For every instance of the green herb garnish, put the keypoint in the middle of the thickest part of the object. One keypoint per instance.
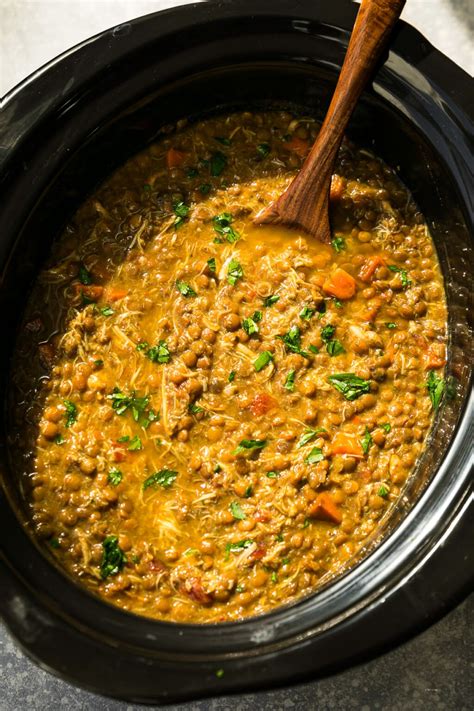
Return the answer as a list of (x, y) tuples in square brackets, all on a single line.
[(71, 413), (309, 434), (316, 455), (263, 359), (234, 272), (292, 341), (386, 426), (211, 263), (383, 491), (238, 546), (218, 163), (263, 149), (290, 380), (335, 347), (391, 325), (222, 225), (248, 445), (185, 289), (194, 409), (159, 353), (54, 543), (59, 439), (338, 243), (164, 478), (366, 441), (270, 300), (181, 211), (306, 313), (135, 444), (273, 475), (113, 557), (349, 385), (107, 311), (231, 377), (114, 477), (435, 387), (403, 274), (85, 277), (137, 406), (236, 511), (250, 326)]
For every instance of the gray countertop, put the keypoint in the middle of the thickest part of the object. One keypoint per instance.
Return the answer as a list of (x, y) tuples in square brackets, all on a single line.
[(435, 670)]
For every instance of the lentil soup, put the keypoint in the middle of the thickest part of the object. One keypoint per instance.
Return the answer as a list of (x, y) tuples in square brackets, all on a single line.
[(216, 418)]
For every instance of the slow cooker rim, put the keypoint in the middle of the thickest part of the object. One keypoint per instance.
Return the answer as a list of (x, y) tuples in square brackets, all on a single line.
[(104, 36)]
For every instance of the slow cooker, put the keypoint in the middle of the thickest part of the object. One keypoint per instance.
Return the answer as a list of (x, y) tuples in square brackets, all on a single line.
[(62, 131)]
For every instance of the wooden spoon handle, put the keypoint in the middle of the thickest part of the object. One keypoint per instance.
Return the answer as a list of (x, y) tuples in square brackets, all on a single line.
[(305, 203)]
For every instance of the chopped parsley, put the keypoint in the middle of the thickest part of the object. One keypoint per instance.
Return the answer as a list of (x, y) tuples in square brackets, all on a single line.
[(71, 413), (366, 441), (309, 434), (290, 380), (386, 426), (274, 577), (164, 478), (231, 377), (159, 353), (250, 324), (185, 289), (236, 511), (391, 325), (222, 225), (349, 385), (234, 272), (383, 491), (292, 341), (263, 359), (250, 445), (316, 455), (270, 300), (338, 243), (99, 363), (435, 387), (273, 475), (211, 263), (220, 672), (114, 477), (321, 309), (59, 439), (137, 406), (263, 149), (54, 543), (217, 163), (107, 311), (113, 557), (238, 546), (135, 444), (333, 346), (181, 211), (306, 313), (85, 277), (313, 348), (403, 274), (194, 409), (248, 492)]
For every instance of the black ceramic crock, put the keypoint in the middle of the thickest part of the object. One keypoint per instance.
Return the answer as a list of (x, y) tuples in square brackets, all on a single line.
[(69, 125)]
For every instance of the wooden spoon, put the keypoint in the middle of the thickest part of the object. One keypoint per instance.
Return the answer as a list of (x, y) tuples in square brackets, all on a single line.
[(305, 203)]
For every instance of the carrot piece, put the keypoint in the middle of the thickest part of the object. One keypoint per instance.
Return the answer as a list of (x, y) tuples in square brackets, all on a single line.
[(435, 357), (369, 266), (174, 158), (337, 188), (325, 509), (344, 443), (298, 146), (114, 293), (340, 284), (261, 404)]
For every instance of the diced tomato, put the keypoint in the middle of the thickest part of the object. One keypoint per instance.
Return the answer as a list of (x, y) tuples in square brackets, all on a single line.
[(262, 516), (196, 591), (261, 404), (259, 552), (118, 455)]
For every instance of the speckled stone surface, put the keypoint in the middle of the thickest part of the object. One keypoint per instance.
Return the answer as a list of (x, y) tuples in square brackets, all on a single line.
[(432, 672), (435, 670)]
